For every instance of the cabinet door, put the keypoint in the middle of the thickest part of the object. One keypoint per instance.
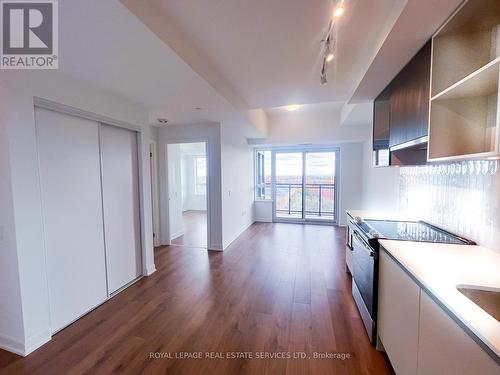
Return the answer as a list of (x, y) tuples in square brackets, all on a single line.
[(444, 348), (409, 102), (398, 311), (68, 149), (381, 127)]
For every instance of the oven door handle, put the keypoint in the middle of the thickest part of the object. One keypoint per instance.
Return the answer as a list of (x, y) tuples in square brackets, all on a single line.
[(363, 242)]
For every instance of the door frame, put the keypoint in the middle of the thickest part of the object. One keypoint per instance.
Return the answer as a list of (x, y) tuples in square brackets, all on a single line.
[(305, 150), (155, 202), (167, 201)]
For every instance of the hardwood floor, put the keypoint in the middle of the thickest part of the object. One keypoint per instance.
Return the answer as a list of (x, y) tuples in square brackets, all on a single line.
[(280, 288), (195, 229)]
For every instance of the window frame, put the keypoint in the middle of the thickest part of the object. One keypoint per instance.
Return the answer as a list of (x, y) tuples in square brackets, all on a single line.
[(260, 178)]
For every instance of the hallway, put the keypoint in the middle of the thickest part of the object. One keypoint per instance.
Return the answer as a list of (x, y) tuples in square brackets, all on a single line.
[(194, 224), (280, 288)]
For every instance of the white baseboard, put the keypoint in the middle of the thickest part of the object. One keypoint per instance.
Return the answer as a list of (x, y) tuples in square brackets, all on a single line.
[(176, 234), (239, 234), (150, 269), (263, 220), (12, 345), (37, 341), (23, 349)]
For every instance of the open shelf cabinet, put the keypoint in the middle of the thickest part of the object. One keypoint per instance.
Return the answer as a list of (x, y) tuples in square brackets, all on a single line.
[(464, 121)]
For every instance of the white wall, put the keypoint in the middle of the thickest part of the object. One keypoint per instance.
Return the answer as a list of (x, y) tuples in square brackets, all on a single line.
[(230, 179), (11, 322), (237, 183), (380, 185), (351, 179), (211, 133), (19, 88), (313, 127), (263, 211)]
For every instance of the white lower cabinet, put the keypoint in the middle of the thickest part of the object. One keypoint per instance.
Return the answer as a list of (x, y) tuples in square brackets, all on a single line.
[(418, 335), (398, 310), (444, 347)]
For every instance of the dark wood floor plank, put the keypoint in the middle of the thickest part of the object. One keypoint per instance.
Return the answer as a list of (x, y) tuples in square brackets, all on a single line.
[(194, 225), (279, 288)]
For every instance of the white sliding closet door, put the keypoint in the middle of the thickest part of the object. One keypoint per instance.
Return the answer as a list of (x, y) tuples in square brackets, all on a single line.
[(120, 189), (72, 211)]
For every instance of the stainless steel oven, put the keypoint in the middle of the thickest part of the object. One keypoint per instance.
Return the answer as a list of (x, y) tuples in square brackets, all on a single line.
[(365, 281), (363, 238)]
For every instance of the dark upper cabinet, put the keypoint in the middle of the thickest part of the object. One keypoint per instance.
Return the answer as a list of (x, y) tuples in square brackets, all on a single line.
[(409, 101), (401, 114), (381, 128)]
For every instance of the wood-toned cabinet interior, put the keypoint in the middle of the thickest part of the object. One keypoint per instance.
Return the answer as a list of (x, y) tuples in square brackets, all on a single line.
[(381, 128), (464, 119)]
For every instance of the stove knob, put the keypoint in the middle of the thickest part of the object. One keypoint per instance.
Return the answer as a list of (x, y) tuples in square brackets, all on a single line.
[(358, 220), (374, 234)]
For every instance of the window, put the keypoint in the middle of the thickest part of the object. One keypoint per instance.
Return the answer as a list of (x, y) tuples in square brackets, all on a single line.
[(381, 158), (200, 178), (263, 174)]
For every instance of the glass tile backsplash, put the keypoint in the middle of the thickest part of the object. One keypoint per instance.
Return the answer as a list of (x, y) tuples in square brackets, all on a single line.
[(462, 197)]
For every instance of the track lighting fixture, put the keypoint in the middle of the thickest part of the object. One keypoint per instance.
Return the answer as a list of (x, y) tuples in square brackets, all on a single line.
[(330, 41)]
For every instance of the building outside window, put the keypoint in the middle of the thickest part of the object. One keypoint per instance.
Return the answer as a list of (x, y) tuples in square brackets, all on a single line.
[(200, 168), (263, 175)]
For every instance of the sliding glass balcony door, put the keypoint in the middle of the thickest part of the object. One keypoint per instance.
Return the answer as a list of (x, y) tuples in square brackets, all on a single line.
[(288, 185), (305, 185)]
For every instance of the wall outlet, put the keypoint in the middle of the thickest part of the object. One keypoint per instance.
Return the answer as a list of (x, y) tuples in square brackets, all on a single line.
[(2, 229)]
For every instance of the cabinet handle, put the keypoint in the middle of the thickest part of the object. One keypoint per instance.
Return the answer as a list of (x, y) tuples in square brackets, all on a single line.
[(367, 247)]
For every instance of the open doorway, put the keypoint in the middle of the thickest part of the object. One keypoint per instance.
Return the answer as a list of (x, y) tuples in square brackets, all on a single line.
[(187, 193)]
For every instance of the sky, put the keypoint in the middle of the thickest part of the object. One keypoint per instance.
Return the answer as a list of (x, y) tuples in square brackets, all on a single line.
[(317, 164)]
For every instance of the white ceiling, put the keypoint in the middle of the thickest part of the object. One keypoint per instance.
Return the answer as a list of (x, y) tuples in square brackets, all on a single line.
[(268, 52), (233, 57), (102, 43), (416, 24)]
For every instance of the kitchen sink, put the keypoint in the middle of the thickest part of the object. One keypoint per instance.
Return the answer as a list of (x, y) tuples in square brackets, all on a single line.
[(486, 298)]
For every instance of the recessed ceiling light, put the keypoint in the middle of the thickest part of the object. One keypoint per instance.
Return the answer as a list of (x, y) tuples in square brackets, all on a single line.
[(329, 57), (162, 120), (292, 107), (338, 11)]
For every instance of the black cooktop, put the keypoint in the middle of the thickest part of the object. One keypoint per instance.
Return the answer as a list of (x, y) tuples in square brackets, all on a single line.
[(418, 231)]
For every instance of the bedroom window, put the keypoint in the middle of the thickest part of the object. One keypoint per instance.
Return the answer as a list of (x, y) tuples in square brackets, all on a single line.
[(200, 178)]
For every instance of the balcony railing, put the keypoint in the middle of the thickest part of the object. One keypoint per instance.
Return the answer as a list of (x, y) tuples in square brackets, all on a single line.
[(319, 200)]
